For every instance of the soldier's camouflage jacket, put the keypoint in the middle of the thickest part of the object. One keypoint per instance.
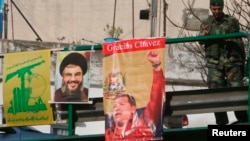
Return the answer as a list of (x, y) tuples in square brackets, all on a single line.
[(222, 51)]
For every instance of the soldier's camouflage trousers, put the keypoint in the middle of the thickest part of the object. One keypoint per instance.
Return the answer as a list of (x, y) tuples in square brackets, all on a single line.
[(229, 76)]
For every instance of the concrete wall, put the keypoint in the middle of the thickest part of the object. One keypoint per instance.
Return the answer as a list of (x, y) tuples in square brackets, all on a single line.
[(77, 19)]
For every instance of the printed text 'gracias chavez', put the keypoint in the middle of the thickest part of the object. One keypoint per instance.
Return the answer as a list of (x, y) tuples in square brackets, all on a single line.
[(133, 45)]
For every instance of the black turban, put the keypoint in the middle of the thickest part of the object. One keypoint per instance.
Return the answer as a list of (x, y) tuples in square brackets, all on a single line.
[(76, 59)]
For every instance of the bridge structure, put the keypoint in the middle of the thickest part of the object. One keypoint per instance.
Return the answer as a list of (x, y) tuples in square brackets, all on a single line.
[(178, 102)]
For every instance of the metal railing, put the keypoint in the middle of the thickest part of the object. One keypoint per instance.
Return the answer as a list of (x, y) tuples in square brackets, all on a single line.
[(176, 106)]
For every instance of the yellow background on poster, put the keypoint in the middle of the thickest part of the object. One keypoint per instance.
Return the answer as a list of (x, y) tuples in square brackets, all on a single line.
[(134, 89), (138, 75), (26, 88)]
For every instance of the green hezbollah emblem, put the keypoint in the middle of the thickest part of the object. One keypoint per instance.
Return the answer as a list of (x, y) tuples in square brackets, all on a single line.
[(217, 2)]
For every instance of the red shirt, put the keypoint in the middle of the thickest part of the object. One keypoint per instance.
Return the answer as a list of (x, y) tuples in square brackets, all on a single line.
[(146, 123)]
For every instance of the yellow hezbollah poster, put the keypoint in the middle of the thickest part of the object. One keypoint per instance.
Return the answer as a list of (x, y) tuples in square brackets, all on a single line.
[(134, 89), (26, 88)]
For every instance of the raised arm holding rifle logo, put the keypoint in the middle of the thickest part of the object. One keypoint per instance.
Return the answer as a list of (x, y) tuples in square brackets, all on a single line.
[(22, 94)]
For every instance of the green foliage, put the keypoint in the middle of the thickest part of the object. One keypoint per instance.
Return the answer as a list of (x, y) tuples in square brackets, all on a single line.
[(113, 31)]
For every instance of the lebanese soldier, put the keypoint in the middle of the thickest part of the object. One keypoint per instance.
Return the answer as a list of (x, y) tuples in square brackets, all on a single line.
[(225, 58)]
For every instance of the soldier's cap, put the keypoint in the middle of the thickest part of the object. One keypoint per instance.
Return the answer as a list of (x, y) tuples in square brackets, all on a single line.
[(76, 59), (217, 2)]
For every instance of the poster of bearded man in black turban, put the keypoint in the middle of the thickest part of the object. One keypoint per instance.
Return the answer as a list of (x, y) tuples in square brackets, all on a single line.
[(72, 77)]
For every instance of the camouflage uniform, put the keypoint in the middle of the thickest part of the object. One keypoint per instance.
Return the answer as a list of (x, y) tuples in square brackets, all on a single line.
[(225, 59)]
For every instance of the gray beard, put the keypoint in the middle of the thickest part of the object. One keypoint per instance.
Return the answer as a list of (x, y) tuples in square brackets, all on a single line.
[(71, 95)]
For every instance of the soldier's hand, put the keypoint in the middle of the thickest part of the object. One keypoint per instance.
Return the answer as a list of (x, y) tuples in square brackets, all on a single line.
[(204, 32)]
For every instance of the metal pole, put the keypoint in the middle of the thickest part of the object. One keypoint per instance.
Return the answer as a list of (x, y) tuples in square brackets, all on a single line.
[(38, 37), (153, 16), (5, 21), (114, 18), (133, 17), (248, 41), (71, 123), (164, 17)]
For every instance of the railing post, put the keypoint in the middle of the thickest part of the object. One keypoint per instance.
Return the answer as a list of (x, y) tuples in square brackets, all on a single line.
[(248, 59), (71, 120)]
